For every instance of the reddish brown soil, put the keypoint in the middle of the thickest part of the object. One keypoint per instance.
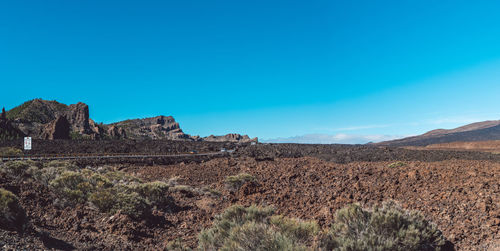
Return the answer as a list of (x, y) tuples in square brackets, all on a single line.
[(492, 146), (461, 196)]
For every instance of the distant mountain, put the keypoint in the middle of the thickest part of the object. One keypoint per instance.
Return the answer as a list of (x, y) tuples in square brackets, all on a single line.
[(331, 139), (480, 131), (43, 119)]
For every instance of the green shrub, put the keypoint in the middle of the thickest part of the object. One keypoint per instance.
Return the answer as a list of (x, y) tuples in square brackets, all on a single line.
[(132, 204), (258, 236), (177, 245), (184, 189), (255, 228), (17, 168), (155, 192), (10, 152), (384, 228), (119, 177), (298, 230), (72, 186), (210, 191), (104, 200), (12, 215), (69, 166), (234, 183), (47, 174), (99, 181), (119, 198), (397, 164)]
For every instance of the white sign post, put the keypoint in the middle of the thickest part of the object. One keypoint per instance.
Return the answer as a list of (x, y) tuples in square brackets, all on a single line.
[(27, 143)]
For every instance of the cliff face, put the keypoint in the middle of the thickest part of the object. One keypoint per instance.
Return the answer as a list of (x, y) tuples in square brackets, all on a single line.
[(38, 117), (232, 137), (44, 119), (58, 129), (160, 127)]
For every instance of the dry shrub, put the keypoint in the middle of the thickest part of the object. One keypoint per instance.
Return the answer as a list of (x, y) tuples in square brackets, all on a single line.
[(388, 227), (17, 168), (396, 164), (156, 193), (112, 200), (234, 183), (12, 215), (10, 152), (255, 228)]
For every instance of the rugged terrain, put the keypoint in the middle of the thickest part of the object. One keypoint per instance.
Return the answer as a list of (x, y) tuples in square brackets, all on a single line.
[(480, 131), (492, 146), (457, 190), (43, 119)]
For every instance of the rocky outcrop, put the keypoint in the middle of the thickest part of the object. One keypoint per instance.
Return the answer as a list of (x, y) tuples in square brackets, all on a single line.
[(78, 117), (160, 127), (115, 132), (57, 129), (37, 118), (232, 137)]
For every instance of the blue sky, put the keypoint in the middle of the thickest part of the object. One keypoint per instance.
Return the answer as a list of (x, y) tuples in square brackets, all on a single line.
[(348, 70)]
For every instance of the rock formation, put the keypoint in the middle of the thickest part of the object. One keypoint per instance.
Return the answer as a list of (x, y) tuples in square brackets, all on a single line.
[(116, 132), (44, 119), (57, 129), (78, 117), (232, 137), (160, 127)]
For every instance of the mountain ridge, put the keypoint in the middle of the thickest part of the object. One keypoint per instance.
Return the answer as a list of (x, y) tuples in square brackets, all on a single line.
[(478, 131), (38, 118)]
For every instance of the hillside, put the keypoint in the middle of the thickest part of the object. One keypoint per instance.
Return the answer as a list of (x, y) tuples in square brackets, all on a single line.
[(43, 119), (480, 131)]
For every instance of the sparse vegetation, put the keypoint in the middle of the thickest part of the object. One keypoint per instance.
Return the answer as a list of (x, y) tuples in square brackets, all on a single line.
[(396, 164), (16, 168), (72, 186), (10, 152), (177, 245), (234, 183), (300, 231), (253, 228), (12, 216), (384, 228), (35, 111), (156, 193)]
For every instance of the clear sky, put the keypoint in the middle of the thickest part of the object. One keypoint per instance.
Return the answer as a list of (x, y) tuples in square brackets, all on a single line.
[(270, 69)]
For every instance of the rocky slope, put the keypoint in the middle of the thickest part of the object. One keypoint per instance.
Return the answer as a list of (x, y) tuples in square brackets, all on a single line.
[(160, 127), (480, 131), (37, 118), (7, 130), (42, 119)]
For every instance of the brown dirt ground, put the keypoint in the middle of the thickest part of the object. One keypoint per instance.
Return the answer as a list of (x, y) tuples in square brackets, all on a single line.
[(461, 196), (492, 146)]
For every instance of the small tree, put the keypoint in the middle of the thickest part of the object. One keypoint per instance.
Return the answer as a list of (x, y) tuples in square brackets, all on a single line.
[(4, 115)]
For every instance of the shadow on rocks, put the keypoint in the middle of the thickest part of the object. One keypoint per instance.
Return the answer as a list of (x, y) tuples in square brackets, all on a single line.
[(53, 243)]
